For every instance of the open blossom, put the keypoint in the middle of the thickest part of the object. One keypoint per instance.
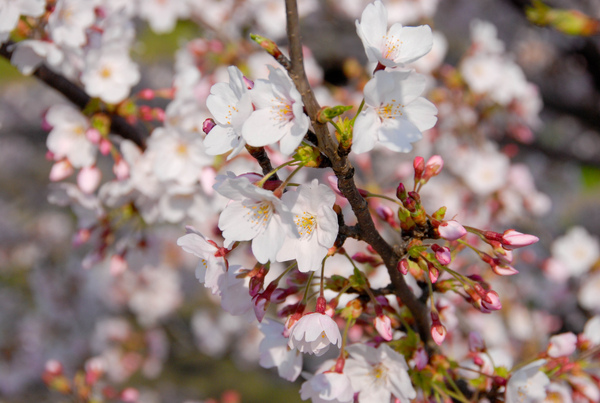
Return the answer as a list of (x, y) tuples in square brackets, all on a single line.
[(69, 20), (377, 374), (163, 15), (395, 113), (274, 351), (327, 387), (109, 74), (562, 345), (527, 384), (254, 214), (211, 270), (577, 251), (314, 333), (393, 47), (30, 53), (11, 10), (181, 153), (67, 139), (316, 223), (230, 105), (278, 114)]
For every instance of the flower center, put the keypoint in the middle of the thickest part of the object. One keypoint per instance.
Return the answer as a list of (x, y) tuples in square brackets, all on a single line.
[(305, 223), (390, 110), (391, 47), (259, 214), (282, 109)]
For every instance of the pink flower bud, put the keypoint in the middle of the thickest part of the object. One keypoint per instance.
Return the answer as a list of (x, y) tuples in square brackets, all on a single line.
[(130, 395), (451, 230), (146, 94), (403, 266), (383, 324), (208, 125), (53, 367), (438, 333), (105, 146), (491, 302), (88, 179), (121, 169), (503, 269), (433, 167), (562, 345), (512, 239), (401, 192), (442, 254), (93, 135), (61, 170), (434, 273), (419, 166), (117, 265), (159, 114)]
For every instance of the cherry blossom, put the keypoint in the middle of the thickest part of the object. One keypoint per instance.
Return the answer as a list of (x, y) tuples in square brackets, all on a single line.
[(254, 214), (316, 223), (11, 10), (67, 139), (274, 351), (211, 269), (394, 47), (562, 345), (377, 374), (231, 105), (327, 387), (314, 333), (577, 251), (278, 114), (110, 74), (395, 115), (527, 384), (69, 20)]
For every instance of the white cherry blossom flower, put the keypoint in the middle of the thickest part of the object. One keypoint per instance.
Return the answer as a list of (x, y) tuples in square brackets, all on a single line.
[(577, 251), (30, 53), (235, 295), (11, 10), (314, 333), (527, 384), (67, 139), (588, 295), (254, 214), (395, 113), (230, 104), (69, 20), (211, 270), (163, 15), (316, 222), (377, 374), (181, 154), (394, 47), (278, 114), (109, 74), (327, 387), (274, 351)]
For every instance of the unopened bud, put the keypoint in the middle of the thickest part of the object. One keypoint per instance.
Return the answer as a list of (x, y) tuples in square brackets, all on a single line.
[(442, 254), (146, 94), (451, 230), (433, 167), (512, 239), (419, 166), (208, 125), (401, 192), (403, 266), (327, 113), (383, 324)]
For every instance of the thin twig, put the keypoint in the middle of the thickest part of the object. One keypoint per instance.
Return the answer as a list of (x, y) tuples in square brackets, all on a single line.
[(345, 174), (78, 97)]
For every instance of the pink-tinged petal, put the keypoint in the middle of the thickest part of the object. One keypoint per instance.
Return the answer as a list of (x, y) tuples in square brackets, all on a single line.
[(365, 132), (562, 345), (504, 270), (451, 230), (415, 42), (492, 301), (88, 179), (266, 244), (512, 239), (438, 334), (383, 325), (61, 170)]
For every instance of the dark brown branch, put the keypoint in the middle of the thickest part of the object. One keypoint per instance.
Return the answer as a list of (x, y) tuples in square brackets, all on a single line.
[(345, 174), (78, 97), (260, 155)]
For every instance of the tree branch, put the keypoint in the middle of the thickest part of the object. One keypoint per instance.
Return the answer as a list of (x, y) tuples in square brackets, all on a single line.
[(345, 174), (78, 97)]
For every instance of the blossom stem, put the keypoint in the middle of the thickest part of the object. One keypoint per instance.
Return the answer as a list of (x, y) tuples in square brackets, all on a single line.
[(294, 172), (305, 298), (360, 107), (265, 178), (369, 194)]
